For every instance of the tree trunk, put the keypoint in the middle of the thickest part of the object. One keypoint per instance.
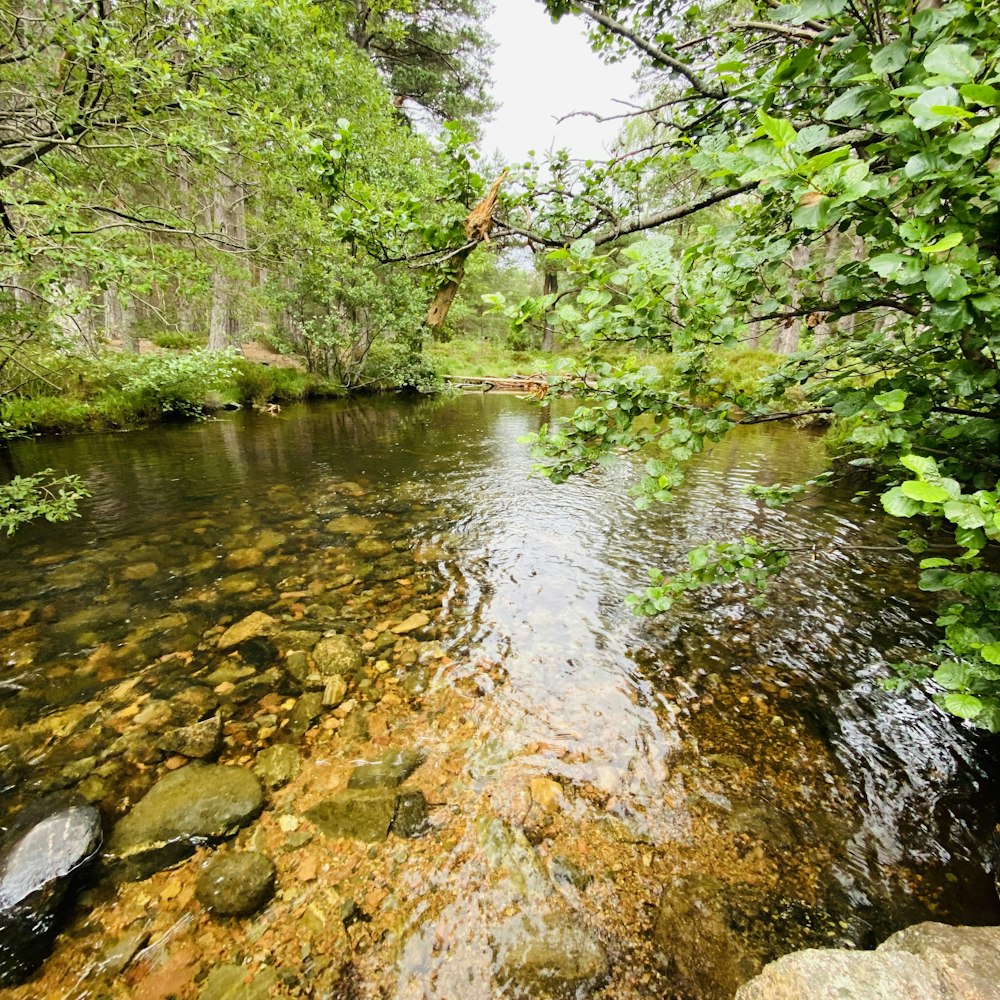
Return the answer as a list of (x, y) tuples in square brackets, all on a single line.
[(550, 286), (229, 221), (786, 337), (119, 319)]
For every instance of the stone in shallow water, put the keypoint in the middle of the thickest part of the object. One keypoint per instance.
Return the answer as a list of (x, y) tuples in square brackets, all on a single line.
[(307, 710), (350, 524), (359, 815), (202, 739), (552, 954), (278, 765), (251, 627), (235, 885), (187, 807), (715, 935), (411, 624), (47, 844), (389, 771), (234, 982), (337, 654), (411, 814)]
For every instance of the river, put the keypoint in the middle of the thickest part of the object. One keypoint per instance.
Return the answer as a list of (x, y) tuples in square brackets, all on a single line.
[(727, 780)]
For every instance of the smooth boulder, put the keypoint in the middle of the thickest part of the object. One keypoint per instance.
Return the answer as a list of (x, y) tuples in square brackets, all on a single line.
[(548, 954), (191, 806), (47, 844), (237, 884)]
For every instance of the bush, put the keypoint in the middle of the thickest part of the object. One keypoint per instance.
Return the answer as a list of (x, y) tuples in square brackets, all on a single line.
[(174, 341)]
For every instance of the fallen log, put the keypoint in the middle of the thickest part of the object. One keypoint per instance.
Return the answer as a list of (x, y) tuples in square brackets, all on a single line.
[(533, 384)]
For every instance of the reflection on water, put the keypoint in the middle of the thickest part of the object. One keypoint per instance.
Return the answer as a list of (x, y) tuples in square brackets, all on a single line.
[(752, 745)]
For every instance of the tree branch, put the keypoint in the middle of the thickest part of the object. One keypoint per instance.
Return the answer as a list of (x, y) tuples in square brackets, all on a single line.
[(653, 51)]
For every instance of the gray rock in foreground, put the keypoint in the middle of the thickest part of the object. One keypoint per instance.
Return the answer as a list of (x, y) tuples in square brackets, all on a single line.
[(46, 845), (551, 954), (191, 806), (928, 961)]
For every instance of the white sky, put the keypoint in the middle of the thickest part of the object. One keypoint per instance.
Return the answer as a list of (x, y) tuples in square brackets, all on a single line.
[(542, 71)]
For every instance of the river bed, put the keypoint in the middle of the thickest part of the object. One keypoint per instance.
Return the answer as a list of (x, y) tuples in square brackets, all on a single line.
[(672, 801)]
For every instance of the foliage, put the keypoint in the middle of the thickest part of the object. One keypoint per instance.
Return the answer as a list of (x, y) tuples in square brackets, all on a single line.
[(42, 495), (119, 391), (838, 162), (392, 365)]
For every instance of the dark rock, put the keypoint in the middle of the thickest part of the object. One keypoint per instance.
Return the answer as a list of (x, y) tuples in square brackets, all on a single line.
[(714, 935), (201, 740), (47, 844), (360, 815), (551, 953), (278, 765), (307, 710), (389, 771), (235, 885), (297, 665), (258, 652), (411, 814), (191, 806)]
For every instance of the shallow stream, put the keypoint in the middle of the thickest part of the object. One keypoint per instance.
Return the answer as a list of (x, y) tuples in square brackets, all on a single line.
[(698, 794)]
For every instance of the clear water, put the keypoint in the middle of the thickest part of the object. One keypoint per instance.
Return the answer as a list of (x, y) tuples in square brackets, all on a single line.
[(755, 743)]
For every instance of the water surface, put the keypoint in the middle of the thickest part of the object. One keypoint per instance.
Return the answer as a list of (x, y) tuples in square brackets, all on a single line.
[(752, 747)]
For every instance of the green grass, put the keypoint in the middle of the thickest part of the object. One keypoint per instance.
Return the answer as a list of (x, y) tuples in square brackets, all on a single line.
[(119, 391)]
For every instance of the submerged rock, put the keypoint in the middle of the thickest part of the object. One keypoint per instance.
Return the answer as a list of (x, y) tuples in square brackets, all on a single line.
[(251, 627), (236, 885), (188, 807), (234, 982), (277, 765), (715, 935), (549, 953), (369, 815), (389, 771), (359, 815), (46, 845), (337, 654), (202, 739), (411, 624)]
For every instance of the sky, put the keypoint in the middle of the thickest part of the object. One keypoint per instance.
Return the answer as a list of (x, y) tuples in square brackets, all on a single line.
[(542, 71)]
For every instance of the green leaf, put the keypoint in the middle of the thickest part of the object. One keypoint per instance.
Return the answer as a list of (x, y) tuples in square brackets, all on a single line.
[(965, 706), (948, 242), (964, 514), (952, 675), (923, 465), (892, 402), (951, 62), (898, 504), (934, 563), (991, 652), (924, 492), (780, 131), (891, 58), (975, 93), (922, 109), (850, 104)]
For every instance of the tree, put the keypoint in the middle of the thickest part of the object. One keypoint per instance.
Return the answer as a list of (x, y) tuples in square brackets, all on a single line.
[(878, 121), (433, 53)]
